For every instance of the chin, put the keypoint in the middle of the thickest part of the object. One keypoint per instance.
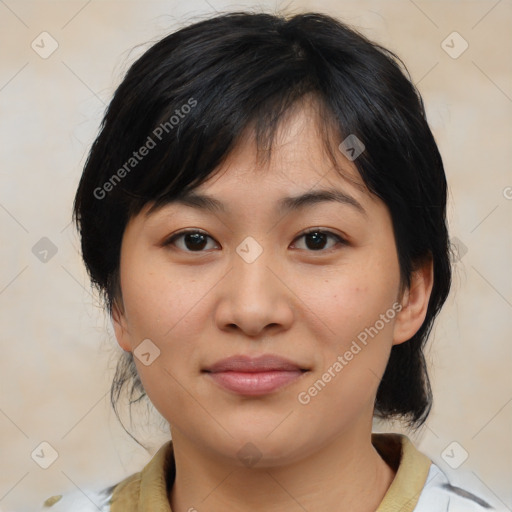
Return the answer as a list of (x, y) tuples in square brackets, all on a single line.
[(265, 446)]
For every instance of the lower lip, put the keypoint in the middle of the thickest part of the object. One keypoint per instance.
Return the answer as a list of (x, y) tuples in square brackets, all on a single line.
[(255, 383)]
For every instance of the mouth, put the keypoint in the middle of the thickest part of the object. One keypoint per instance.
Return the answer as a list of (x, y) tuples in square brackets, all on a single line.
[(254, 376)]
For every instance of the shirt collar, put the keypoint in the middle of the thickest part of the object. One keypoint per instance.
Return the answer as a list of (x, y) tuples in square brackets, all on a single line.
[(148, 490)]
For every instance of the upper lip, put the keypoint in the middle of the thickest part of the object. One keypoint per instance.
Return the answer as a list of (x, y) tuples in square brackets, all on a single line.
[(244, 363)]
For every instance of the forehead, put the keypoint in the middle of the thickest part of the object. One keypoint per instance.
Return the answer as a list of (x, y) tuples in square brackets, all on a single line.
[(304, 145), (304, 166)]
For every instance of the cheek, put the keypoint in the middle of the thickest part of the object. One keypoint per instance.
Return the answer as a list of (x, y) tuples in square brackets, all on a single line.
[(166, 388), (351, 355), (160, 308), (355, 304), (353, 297), (161, 302)]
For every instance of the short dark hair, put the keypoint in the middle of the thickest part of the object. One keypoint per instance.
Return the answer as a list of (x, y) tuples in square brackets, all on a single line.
[(190, 96)]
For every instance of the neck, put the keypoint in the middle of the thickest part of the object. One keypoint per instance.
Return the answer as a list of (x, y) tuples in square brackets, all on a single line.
[(345, 474)]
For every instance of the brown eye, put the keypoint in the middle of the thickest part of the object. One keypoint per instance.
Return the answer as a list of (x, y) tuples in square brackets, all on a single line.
[(317, 239), (190, 241)]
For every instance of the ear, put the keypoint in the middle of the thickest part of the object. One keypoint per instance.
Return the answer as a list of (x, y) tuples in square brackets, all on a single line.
[(120, 328), (414, 303)]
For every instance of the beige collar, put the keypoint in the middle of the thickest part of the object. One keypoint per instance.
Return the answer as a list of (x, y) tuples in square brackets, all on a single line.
[(147, 491)]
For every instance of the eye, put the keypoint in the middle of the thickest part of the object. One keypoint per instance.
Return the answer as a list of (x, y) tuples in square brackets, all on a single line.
[(316, 239), (193, 240)]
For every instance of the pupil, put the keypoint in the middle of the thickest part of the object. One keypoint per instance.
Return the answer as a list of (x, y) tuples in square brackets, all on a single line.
[(197, 242), (319, 240)]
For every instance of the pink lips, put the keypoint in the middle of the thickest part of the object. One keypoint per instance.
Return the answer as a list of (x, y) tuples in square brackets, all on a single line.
[(254, 376)]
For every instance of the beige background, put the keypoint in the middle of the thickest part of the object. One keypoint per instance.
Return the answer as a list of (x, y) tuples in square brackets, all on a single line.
[(57, 348)]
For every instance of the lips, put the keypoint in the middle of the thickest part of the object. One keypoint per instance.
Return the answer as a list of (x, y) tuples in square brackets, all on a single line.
[(241, 363), (254, 376)]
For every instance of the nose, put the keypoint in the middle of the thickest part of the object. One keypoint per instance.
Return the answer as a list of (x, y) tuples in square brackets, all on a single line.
[(254, 297)]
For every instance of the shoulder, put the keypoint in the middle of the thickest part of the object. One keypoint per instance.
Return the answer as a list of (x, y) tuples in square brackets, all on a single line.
[(439, 494), (80, 500), (121, 496)]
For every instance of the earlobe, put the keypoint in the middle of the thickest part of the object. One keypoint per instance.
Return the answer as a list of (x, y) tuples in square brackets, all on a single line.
[(120, 328), (414, 303)]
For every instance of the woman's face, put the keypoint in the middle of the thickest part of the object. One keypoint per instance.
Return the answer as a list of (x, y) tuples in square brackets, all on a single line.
[(253, 284)]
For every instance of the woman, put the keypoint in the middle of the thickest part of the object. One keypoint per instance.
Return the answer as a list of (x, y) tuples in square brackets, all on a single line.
[(264, 214)]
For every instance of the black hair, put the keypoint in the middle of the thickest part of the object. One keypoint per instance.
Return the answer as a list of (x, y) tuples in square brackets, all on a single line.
[(188, 99)]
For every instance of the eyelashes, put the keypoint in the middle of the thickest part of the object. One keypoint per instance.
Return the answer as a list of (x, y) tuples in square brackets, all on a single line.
[(325, 234), (197, 240), (195, 235)]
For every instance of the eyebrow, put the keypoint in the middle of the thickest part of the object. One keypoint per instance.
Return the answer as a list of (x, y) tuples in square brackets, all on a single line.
[(284, 205)]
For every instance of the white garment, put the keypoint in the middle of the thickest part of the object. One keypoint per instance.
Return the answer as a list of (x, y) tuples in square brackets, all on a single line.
[(438, 495)]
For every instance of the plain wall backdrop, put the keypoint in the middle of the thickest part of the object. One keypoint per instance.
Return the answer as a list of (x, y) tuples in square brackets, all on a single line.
[(60, 63)]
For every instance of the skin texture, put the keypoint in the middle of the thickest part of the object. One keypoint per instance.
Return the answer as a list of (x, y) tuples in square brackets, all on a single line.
[(294, 301)]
